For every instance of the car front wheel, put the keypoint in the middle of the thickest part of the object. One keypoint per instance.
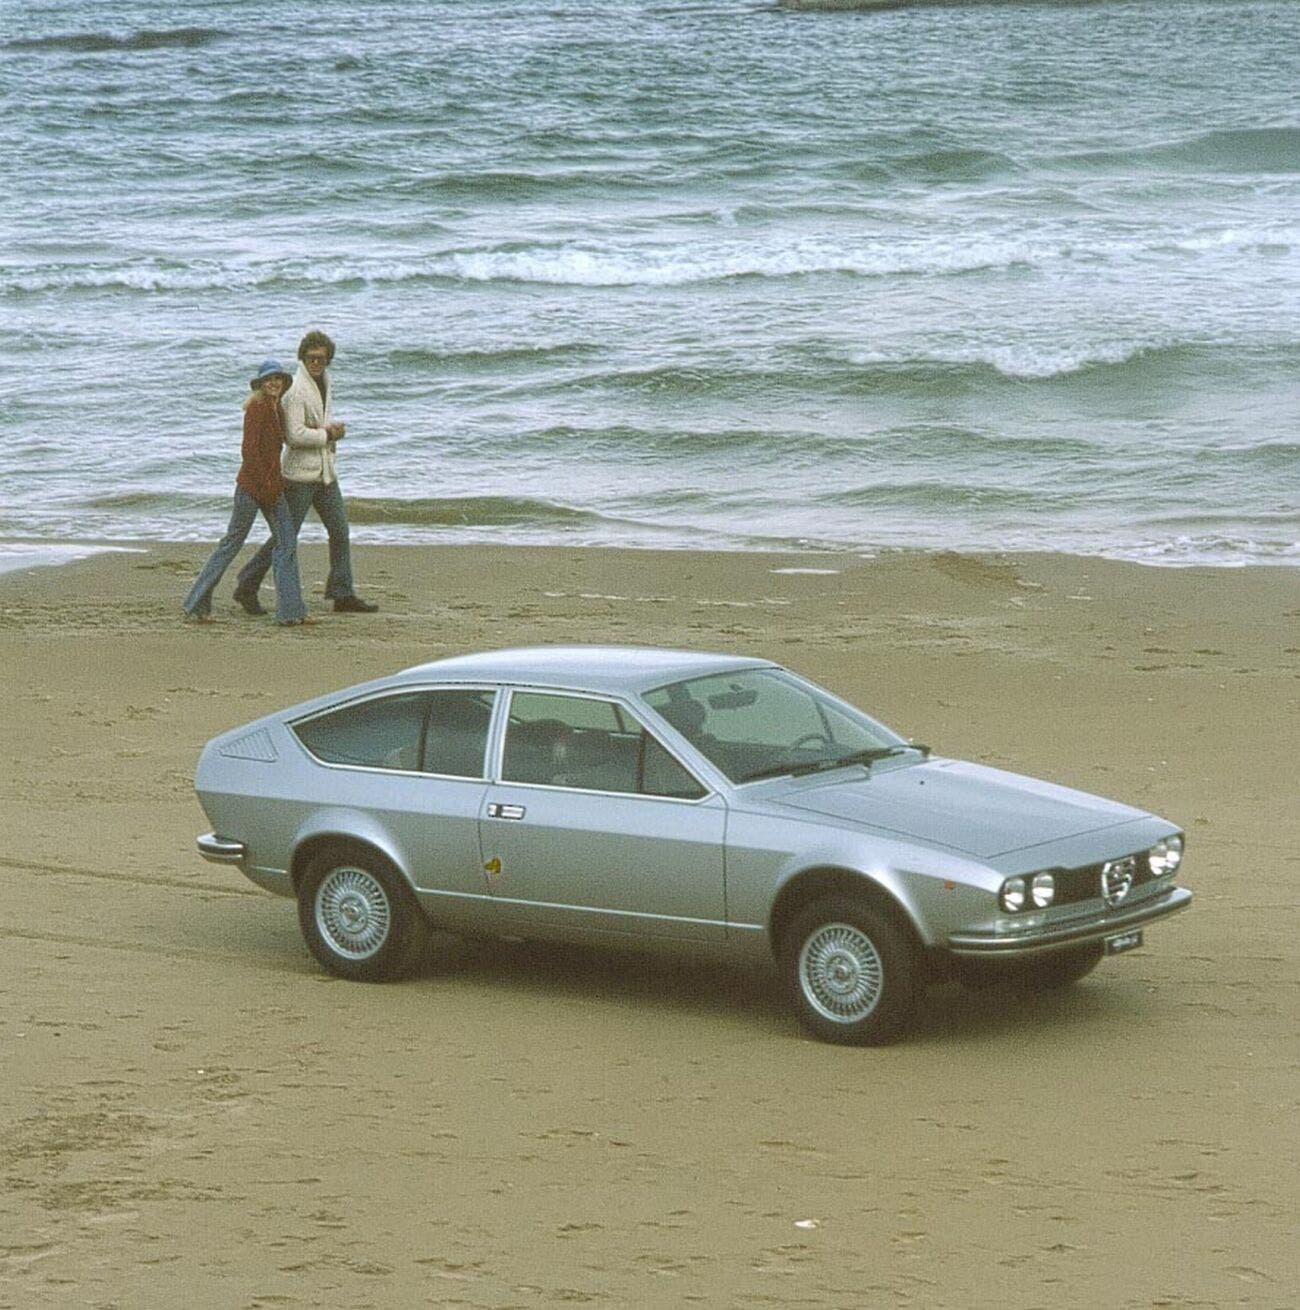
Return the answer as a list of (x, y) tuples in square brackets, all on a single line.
[(359, 917), (850, 973)]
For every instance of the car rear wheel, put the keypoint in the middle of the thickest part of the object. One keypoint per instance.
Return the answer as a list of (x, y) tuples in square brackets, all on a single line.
[(359, 917), (850, 973)]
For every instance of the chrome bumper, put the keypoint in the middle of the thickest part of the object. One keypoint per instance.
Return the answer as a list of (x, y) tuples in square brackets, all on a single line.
[(221, 850), (1005, 946)]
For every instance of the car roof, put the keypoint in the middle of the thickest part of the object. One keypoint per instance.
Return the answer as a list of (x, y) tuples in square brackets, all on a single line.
[(617, 669)]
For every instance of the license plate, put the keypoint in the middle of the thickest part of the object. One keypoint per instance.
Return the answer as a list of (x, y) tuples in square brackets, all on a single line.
[(1124, 941)]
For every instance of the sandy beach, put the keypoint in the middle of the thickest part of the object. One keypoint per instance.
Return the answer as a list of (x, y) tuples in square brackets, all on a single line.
[(192, 1113)]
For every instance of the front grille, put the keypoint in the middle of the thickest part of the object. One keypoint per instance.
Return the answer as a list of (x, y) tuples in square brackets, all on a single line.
[(1084, 884)]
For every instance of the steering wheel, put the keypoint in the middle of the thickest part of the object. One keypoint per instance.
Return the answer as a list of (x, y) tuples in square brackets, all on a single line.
[(809, 739)]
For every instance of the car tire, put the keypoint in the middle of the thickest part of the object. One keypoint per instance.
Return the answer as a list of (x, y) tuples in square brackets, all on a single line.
[(851, 974), (359, 917)]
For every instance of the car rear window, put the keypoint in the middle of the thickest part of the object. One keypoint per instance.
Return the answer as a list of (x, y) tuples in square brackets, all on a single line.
[(443, 732)]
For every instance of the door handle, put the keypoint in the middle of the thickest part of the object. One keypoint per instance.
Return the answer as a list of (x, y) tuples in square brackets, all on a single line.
[(497, 811)]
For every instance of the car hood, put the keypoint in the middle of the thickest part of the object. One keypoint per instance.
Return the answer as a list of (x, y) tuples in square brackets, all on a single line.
[(967, 807)]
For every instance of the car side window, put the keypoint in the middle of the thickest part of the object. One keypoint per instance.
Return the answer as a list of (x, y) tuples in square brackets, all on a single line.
[(590, 744), (383, 733), (455, 738), (663, 776)]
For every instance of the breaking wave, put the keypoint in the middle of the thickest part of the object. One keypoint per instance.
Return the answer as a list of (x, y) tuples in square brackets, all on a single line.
[(1225, 150), (469, 511), (184, 38), (687, 264), (419, 360)]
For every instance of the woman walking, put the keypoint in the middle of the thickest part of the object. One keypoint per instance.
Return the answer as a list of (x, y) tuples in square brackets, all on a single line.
[(258, 485), (311, 478)]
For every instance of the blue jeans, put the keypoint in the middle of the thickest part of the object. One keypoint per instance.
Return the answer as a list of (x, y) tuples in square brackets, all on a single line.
[(327, 500), (282, 550)]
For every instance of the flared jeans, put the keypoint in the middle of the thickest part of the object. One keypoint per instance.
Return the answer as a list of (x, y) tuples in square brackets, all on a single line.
[(282, 551), (327, 500)]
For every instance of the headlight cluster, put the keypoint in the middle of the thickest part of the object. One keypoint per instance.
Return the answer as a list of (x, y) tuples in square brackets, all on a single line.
[(1165, 856), (1036, 892)]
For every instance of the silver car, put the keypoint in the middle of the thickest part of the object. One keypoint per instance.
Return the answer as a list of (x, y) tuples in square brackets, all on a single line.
[(702, 803)]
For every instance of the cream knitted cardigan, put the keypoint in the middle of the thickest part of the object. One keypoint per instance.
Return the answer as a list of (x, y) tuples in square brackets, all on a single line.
[(309, 454)]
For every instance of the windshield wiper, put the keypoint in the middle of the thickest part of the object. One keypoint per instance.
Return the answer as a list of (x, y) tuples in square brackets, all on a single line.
[(874, 753), (868, 756)]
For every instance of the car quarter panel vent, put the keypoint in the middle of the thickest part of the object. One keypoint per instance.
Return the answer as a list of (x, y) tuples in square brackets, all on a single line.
[(252, 746)]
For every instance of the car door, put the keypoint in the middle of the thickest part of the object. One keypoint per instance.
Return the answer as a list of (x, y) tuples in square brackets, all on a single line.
[(594, 828), (406, 773)]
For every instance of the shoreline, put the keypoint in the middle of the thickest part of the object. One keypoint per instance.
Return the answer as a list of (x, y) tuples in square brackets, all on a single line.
[(177, 1058), (29, 553), (21, 553), (1035, 606)]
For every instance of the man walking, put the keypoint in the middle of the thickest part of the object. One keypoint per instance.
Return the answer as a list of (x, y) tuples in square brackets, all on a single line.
[(311, 479)]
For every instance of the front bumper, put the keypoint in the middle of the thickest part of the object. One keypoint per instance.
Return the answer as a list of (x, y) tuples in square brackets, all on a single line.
[(1047, 937), (221, 850)]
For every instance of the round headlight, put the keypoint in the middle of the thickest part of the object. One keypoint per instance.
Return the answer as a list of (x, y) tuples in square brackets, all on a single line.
[(1165, 856), (1043, 890), (1012, 896)]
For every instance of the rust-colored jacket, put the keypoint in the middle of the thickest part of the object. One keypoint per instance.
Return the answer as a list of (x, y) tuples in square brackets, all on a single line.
[(259, 474)]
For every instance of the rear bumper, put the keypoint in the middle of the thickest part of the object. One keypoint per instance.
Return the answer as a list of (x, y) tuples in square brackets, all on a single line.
[(221, 850), (1014, 945)]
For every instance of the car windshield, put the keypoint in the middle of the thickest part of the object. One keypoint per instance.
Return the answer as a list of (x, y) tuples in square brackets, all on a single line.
[(761, 723)]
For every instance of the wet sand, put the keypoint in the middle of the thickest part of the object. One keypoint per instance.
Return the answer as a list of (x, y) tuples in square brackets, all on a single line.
[(191, 1113)]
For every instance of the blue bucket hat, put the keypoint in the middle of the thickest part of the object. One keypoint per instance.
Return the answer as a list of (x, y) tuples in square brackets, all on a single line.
[(270, 368)]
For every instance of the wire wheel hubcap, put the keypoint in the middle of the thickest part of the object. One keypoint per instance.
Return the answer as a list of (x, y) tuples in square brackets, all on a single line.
[(841, 973), (352, 913)]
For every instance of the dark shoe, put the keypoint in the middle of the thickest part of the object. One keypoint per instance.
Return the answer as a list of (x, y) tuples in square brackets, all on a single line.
[(248, 601), (354, 605)]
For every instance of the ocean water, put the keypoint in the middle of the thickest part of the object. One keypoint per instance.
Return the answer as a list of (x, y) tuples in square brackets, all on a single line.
[(686, 273)]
